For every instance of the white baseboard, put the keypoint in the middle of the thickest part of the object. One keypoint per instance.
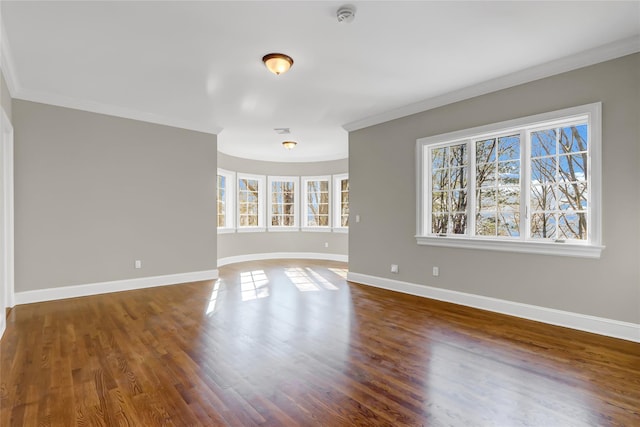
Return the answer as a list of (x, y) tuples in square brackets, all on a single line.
[(51, 294), (282, 255), (582, 322), (3, 323)]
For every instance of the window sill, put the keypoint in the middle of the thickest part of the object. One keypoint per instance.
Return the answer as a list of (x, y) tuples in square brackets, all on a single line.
[(283, 229), (317, 229), (542, 248), (344, 230), (251, 230), (226, 230)]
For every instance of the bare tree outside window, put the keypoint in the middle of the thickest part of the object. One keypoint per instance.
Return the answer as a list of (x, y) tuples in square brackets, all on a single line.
[(498, 186), (283, 203), (559, 183), (344, 202), (248, 208), (222, 201), (317, 203), (531, 185), (449, 166)]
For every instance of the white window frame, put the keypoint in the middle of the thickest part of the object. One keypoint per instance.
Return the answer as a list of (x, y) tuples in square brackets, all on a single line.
[(296, 203), (591, 248), (304, 206), (261, 202), (230, 193), (337, 203)]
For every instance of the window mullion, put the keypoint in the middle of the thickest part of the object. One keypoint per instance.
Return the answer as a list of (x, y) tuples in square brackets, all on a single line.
[(471, 185), (556, 189), (525, 184), (427, 225)]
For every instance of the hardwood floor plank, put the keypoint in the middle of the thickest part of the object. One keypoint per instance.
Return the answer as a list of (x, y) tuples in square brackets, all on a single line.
[(290, 342)]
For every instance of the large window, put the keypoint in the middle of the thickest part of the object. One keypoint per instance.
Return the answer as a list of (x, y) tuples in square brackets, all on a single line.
[(283, 199), (225, 210), (341, 202), (316, 202), (530, 185), (250, 202)]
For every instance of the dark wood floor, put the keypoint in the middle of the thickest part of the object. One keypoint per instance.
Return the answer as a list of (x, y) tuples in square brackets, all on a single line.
[(279, 343)]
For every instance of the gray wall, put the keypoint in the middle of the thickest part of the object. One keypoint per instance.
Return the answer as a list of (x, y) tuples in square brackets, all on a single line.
[(5, 96), (93, 193), (382, 181), (235, 244)]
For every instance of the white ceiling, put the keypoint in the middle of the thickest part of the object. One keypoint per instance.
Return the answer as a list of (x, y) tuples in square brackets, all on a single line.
[(198, 65)]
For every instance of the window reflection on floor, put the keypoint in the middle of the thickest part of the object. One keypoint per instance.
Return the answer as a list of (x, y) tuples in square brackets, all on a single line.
[(254, 285), (307, 280), (211, 307), (342, 272), (321, 280)]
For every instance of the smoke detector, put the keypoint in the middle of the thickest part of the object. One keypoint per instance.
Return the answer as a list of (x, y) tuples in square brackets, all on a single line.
[(346, 14)]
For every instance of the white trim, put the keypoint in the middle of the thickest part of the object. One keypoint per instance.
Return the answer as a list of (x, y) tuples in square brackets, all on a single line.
[(521, 246), (6, 145), (282, 255), (251, 229), (583, 322), (316, 229), (230, 197), (226, 230), (50, 294), (593, 56), (6, 62), (283, 229), (336, 205), (114, 111)]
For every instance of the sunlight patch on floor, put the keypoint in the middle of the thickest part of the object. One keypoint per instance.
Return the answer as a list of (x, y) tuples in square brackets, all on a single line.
[(307, 280), (342, 272), (211, 307), (254, 285), (321, 280), (301, 280)]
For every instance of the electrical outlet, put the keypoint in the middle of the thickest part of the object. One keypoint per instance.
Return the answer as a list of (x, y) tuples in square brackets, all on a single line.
[(436, 271), (326, 244), (357, 218), (394, 268), (138, 263)]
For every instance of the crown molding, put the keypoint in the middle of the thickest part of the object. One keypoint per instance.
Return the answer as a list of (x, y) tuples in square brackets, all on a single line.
[(6, 61), (112, 110), (573, 62)]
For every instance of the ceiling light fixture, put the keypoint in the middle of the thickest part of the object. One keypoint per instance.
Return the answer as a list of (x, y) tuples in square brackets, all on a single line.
[(277, 63), (289, 145), (346, 14)]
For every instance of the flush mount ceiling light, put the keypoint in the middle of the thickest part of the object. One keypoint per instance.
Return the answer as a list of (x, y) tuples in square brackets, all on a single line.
[(277, 63), (289, 145), (346, 14)]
